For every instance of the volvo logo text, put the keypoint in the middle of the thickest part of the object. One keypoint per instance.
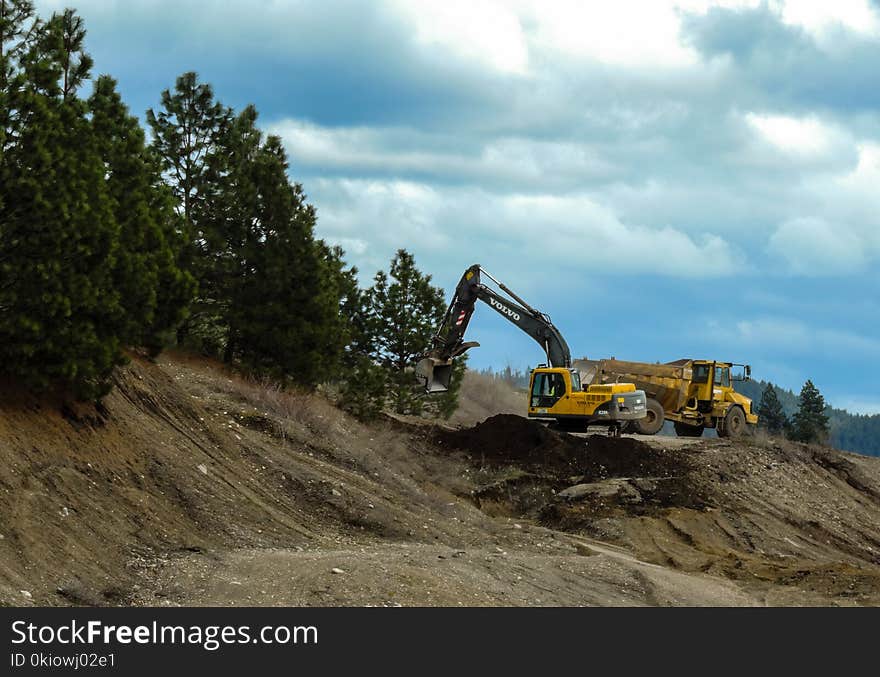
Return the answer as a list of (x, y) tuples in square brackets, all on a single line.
[(504, 309)]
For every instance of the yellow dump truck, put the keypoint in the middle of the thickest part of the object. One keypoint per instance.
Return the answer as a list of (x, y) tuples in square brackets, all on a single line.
[(693, 394)]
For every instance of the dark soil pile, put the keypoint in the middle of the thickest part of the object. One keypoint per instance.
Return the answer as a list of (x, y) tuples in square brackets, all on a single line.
[(513, 440)]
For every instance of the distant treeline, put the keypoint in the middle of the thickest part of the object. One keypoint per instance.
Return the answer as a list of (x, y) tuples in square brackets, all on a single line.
[(513, 377), (194, 237), (850, 432)]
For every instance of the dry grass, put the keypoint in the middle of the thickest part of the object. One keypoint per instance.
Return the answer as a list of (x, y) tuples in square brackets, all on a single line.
[(310, 422), (261, 396)]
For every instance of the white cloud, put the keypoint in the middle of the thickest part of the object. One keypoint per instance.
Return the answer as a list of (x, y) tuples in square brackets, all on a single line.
[(821, 17), (864, 178), (813, 246), (368, 149), (573, 232), (484, 31), (516, 161), (841, 236), (793, 336), (505, 36), (372, 219), (511, 36), (774, 331), (405, 179), (625, 32), (599, 240), (808, 136)]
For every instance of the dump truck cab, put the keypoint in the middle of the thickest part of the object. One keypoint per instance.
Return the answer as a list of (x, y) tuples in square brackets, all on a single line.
[(711, 391), (713, 381), (556, 393)]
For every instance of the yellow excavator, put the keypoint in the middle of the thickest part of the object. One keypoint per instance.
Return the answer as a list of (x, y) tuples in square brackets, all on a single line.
[(555, 390)]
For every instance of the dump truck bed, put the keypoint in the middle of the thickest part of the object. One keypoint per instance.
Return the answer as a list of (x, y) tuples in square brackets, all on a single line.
[(666, 383)]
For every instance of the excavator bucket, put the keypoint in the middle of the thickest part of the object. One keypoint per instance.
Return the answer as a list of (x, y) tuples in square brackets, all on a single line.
[(435, 374)]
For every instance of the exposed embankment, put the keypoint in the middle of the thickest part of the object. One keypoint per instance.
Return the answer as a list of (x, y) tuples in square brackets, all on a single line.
[(193, 486)]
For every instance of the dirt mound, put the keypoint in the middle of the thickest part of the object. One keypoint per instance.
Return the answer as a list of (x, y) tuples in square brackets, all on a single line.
[(507, 439), (525, 469), (504, 437)]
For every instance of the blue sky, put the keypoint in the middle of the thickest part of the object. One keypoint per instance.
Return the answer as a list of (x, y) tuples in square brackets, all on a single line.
[(665, 179)]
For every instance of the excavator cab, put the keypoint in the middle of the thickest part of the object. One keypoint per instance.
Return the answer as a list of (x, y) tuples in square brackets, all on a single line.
[(547, 389), (556, 393)]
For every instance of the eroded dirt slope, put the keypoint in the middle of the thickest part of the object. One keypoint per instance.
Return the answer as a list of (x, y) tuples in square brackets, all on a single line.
[(784, 520), (192, 486)]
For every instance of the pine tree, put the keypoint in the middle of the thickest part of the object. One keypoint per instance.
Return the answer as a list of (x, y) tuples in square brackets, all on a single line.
[(284, 305), (68, 32), (16, 22), (18, 28), (771, 416), (187, 137), (364, 381), (406, 310), (350, 322), (269, 292), (61, 312), (236, 239), (18, 25), (365, 389), (186, 132), (153, 290), (810, 423)]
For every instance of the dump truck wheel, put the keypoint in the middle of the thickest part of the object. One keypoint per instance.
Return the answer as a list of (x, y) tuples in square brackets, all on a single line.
[(734, 423), (685, 430), (653, 421)]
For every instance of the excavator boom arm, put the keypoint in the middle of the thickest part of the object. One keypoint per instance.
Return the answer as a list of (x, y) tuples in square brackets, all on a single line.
[(435, 369)]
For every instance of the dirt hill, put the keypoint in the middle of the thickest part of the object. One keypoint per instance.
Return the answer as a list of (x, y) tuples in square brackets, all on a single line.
[(193, 486)]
